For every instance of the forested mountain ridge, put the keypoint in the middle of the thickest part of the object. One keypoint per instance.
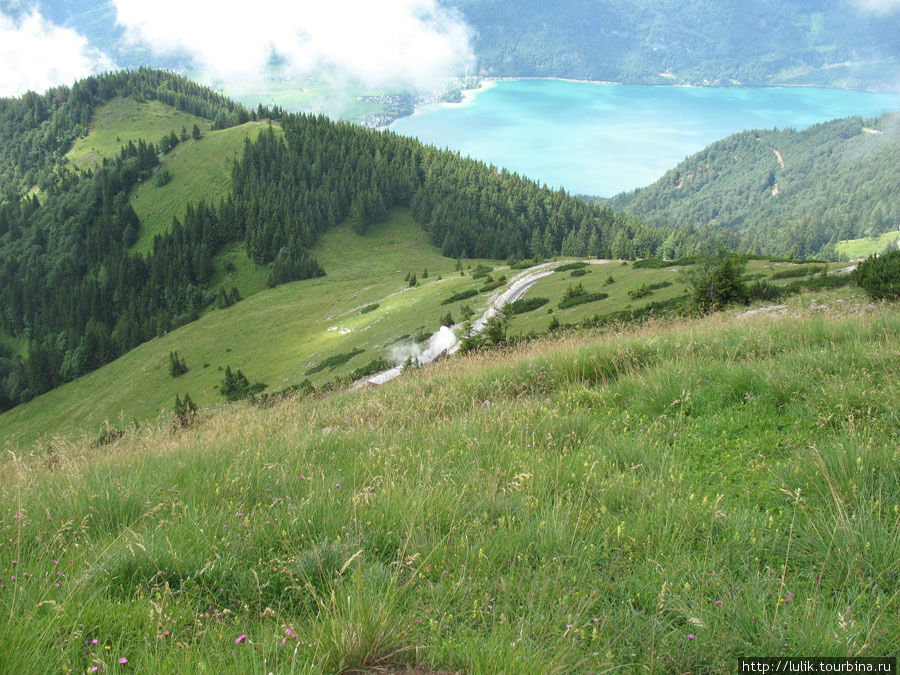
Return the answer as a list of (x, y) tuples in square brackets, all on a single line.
[(784, 191), (72, 287), (36, 130), (751, 42)]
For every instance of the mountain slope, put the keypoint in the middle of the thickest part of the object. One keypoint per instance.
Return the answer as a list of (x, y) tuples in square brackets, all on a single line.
[(756, 42), (668, 499), (784, 191), (84, 280)]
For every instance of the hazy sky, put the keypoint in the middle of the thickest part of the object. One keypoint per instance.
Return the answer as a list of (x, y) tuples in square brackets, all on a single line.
[(380, 42), (406, 43), (36, 54)]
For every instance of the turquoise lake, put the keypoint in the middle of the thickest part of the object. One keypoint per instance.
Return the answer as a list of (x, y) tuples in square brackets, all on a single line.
[(602, 139)]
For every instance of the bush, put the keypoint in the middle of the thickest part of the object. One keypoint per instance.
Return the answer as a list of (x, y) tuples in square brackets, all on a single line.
[(799, 271), (716, 282), (162, 176), (525, 305), (185, 411), (641, 292), (571, 266), (480, 271), (236, 386), (879, 275), (177, 366), (369, 308), (462, 295)]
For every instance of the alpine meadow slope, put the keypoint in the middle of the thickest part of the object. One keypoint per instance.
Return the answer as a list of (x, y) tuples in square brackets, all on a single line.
[(667, 497)]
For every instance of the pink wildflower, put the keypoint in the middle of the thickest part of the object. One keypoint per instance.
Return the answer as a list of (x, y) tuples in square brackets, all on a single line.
[(240, 638)]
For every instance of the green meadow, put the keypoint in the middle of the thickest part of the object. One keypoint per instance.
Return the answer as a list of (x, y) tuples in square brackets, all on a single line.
[(663, 498), (274, 337), (280, 336), (199, 169), (125, 119), (863, 248)]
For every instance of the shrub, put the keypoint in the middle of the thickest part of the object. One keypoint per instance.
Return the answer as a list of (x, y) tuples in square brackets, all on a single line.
[(162, 176), (462, 295), (369, 308), (567, 302), (480, 271), (571, 266), (525, 305), (879, 275), (177, 366), (799, 271), (641, 292), (185, 411)]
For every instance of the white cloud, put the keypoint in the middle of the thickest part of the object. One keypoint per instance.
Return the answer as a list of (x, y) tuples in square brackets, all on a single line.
[(387, 42), (37, 54), (879, 6)]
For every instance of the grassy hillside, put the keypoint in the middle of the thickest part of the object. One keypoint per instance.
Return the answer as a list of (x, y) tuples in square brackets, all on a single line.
[(124, 119), (199, 169), (279, 335), (866, 246), (665, 498), (779, 191), (274, 337)]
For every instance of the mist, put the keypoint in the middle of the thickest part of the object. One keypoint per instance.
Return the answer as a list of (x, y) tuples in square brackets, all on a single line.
[(37, 54), (402, 43)]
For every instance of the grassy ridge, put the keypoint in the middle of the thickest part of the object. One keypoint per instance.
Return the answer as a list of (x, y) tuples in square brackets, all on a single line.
[(199, 169), (668, 498), (123, 120)]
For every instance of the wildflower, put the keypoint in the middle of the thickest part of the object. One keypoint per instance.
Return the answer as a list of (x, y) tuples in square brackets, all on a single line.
[(123, 660), (94, 669), (718, 602), (337, 485), (691, 636), (240, 638)]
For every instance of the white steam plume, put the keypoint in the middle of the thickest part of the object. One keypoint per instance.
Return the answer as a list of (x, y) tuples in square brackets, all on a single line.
[(407, 43), (437, 344), (37, 54)]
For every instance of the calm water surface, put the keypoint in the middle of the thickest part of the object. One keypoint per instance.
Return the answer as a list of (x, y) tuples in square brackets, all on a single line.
[(600, 140)]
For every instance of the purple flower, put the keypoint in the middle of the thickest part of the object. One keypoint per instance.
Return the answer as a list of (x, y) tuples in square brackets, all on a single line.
[(240, 638), (123, 660), (691, 636)]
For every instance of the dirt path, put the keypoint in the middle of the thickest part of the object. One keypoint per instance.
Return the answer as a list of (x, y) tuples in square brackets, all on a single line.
[(780, 158)]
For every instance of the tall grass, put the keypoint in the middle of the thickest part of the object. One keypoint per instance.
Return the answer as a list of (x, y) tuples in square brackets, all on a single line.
[(667, 498)]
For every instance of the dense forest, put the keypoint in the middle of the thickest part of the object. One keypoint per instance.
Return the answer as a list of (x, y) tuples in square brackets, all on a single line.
[(785, 191), (73, 289), (754, 42)]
